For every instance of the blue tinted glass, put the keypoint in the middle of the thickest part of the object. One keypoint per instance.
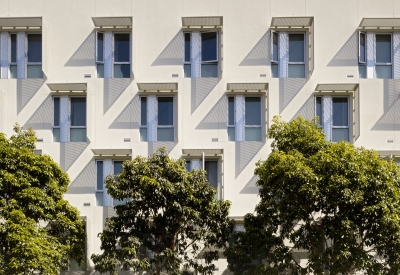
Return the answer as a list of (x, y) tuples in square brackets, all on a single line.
[(143, 111), (383, 48), (99, 175), (13, 47), (187, 47), (253, 111), (56, 111), (211, 168), (165, 111), (340, 111), (296, 47), (121, 47), (318, 109), (231, 110), (117, 167), (34, 48), (100, 46), (275, 46), (362, 71), (122, 70), (188, 166), (362, 47), (209, 46), (78, 111)]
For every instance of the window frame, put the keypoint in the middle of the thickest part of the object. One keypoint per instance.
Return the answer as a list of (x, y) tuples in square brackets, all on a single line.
[(304, 52), (130, 53), (173, 116), (98, 62), (10, 56), (53, 122), (321, 119), (210, 62), (99, 191), (348, 116), (27, 63), (219, 173), (232, 126), (184, 53), (70, 115), (391, 54), (273, 32), (359, 48), (141, 126), (261, 117)]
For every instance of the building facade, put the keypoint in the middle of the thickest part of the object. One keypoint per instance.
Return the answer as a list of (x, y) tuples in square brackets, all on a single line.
[(103, 81)]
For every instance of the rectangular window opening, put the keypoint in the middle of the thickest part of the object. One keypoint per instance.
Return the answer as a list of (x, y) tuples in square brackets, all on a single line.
[(165, 119), (34, 56)]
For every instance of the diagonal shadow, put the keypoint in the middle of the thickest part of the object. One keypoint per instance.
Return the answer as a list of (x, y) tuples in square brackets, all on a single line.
[(85, 182), (200, 89), (307, 111), (69, 153), (245, 151), (173, 52), (154, 145), (85, 54), (347, 55), (113, 89), (288, 89), (26, 89), (259, 55), (42, 118), (217, 117), (251, 187), (129, 117)]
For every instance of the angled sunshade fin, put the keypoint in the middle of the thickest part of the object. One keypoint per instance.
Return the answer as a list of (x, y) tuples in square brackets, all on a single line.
[(202, 21), (16, 22), (173, 86), (289, 22), (247, 86), (100, 22), (376, 23), (67, 86)]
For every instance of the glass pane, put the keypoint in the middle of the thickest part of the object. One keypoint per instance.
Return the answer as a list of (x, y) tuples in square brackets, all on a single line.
[(56, 134), (340, 111), (209, 46), (165, 111), (13, 71), (99, 167), (383, 71), (187, 47), (339, 134), (318, 109), (13, 47), (252, 111), (252, 134), (383, 48), (34, 47), (296, 47), (34, 71), (231, 110), (56, 111), (100, 46), (99, 199), (143, 111), (275, 46), (297, 71), (165, 134), (362, 71), (211, 168), (362, 47), (143, 134), (100, 70), (209, 70), (188, 166), (231, 133), (121, 47), (187, 70), (78, 111), (274, 71), (78, 135), (122, 70), (117, 167)]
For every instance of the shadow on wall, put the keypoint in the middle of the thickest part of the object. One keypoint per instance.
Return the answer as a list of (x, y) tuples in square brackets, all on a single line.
[(154, 145), (307, 111), (391, 106), (217, 117), (129, 117), (85, 182), (348, 54), (200, 89), (42, 118), (173, 52), (259, 55), (26, 89), (113, 89), (85, 54), (288, 89), (70, 152), (251, 187), (245, 151)]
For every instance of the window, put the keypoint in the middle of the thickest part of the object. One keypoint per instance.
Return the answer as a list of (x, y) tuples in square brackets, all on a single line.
[(247, 121), (157, 115), (201, 54), (113, 59), (362, 55), (294, 45), (34, 56), (69, 119), (383, 62), (104, 168), (13, 60), (334, 116), (211, 166)]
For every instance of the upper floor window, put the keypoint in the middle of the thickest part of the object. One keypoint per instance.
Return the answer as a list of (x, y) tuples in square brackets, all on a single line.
[(113, 58), (201, 54)]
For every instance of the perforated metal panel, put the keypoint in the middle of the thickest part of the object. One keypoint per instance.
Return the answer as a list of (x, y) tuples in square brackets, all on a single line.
[(289, 22), (380, 23), (67, 87), (112, 152), (247, 86), (102, 22), (199, 152), (208, 21), (157, 86), (337, 87), (15, 22)]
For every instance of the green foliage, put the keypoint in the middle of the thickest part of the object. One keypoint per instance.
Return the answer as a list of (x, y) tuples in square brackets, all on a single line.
[(171, 222), (38, 228), (336, 203)]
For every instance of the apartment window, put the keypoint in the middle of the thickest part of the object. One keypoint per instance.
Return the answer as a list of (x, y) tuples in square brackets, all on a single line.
[(78, 119), (294, 45), (211, 167), (319, 111), (117, 165), (34, 56), (231, 118), (165, 126), (13, 60), (252, 119), (362, 55), (117, 46), (143, 118), (99, 184), (188, 165), (201, 54), (383, 62), (337, 121), (56, 119)]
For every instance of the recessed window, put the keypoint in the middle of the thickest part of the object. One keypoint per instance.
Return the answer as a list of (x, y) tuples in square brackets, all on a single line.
[(252, 119), (78, 119), (122, 66), (231, 118), (99, 184), (187, 66), (56, 119), (100, 54), (383, 63), (165, 118), (296, 66), (13, 60), (211, 167), (34, 56), (143, 118)]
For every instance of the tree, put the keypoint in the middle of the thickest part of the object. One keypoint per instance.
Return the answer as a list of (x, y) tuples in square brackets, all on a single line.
[(171, 222), (336, 203), (38, 228)]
